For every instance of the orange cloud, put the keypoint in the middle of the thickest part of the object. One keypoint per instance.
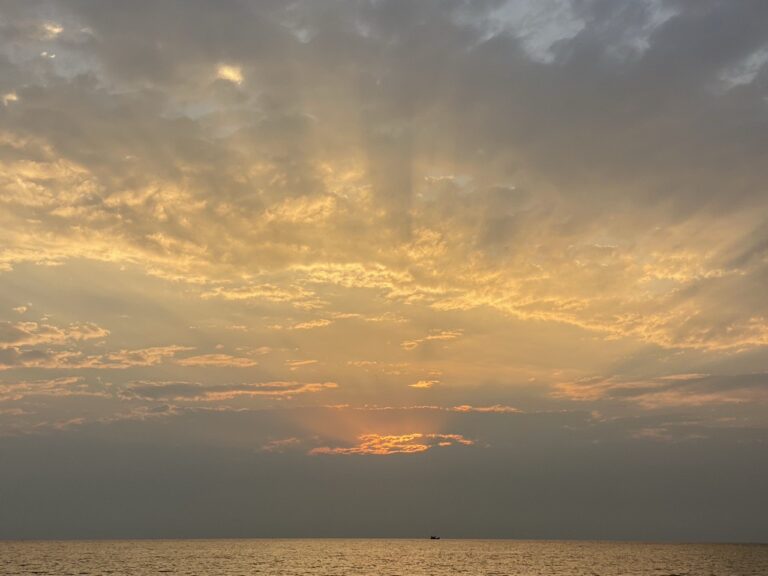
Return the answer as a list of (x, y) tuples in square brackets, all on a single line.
[(496, 408), (294, 365), (18, 357), (34, 333), (423, 384), (129, 358), (64, 386), (385, 445), (190, 391), (320, 323), (218, 360), (441, 335), (465, 408)]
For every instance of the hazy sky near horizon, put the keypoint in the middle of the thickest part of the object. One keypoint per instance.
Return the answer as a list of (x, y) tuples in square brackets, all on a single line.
[(384, 267)]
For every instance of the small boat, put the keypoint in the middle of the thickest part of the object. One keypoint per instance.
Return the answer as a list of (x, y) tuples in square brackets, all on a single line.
[(434, 537)]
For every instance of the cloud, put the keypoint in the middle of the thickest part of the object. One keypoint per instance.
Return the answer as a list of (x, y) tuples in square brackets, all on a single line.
[(460, 409), (52, 29), (454, 237), (494, 409), (15, 334), (296, 364), (671, 391), (307, 325), (517, 463), (388, 368), (58, 387), (45, 345), (435, 174), (558, 207), (311, 324), (282, 444), (217, 360), (180, 391), (386, 445), (18, 357), (299, 296), (230, 73), (424, 384), (131, 358), (437, 335)]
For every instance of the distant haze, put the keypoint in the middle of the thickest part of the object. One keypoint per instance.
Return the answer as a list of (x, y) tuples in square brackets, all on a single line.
[(488, 268)]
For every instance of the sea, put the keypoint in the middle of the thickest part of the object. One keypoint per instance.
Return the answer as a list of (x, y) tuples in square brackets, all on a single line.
[(359, 557)]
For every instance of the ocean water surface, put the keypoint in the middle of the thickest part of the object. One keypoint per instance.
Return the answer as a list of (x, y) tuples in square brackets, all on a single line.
[(339, 557)]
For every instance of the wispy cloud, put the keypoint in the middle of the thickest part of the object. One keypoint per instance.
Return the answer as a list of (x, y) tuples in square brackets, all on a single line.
[(180, 391), (437, 335), (294, 365), (494, 409), (217, 360)]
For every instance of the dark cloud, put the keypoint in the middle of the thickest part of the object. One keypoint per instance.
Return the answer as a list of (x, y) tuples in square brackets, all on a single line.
[(542, 476)]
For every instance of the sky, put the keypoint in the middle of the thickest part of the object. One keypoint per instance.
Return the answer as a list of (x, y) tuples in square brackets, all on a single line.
[(488, 268)]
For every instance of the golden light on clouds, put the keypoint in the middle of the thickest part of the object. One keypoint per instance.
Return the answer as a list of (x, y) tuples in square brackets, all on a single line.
[(342, 219)]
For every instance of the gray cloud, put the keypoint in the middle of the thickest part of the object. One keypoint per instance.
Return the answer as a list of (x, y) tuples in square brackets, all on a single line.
[(673, 391), (187, 476)]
